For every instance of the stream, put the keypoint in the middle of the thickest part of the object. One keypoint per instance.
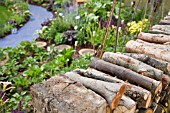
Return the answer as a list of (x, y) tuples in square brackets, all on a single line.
[(27, 32)]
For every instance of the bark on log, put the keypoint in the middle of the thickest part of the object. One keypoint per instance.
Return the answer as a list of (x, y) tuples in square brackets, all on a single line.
[(164, 22), (112, 92), (127, 74), (145, 110), (167, 18), (159, 64), (157, 99), (136, 47), (133, 64), (163, 28), (165, 81), (154, 106), (159, 109), (156, 31), (140, 95), (154, 38), (62, 95), (162, 95), (168, 90), (159, 46)]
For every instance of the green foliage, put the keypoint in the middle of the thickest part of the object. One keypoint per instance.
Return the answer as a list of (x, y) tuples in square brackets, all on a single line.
[(27, 64), (59, 39), (15, 13), (57, 26)]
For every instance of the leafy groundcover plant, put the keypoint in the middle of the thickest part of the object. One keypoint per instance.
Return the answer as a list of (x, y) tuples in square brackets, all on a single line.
[(28, 64), (17, 13)]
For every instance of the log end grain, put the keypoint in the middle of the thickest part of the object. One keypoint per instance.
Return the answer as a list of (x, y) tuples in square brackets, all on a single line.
[(60, 94)]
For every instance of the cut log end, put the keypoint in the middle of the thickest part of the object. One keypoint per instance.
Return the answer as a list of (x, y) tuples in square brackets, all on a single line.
[(116, 99), (148, 101), (168, 67), (158, 88)]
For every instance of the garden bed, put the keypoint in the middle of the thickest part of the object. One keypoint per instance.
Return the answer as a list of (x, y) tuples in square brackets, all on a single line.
[(79, 27), (17, 14)]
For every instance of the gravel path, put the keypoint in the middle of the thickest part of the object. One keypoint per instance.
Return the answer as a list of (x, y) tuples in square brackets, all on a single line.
[(38, 16)]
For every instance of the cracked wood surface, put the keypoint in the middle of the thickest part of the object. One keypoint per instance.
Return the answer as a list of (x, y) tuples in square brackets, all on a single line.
[(112, 92), (138, 94), (62, 95), (133, 64), (127, 74)]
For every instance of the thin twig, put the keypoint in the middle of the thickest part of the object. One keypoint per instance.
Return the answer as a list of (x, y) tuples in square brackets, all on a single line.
[(146, 7), (107, 27), (117, 30), (151, 13), (162, 13)]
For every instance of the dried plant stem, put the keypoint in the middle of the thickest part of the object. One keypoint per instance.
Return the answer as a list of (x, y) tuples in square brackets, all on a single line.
[(117, 29), (151, 13), (146, 7), (107, 27)]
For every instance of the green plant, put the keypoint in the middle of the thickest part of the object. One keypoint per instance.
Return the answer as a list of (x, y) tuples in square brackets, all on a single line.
[(59, 39), (136, 27)]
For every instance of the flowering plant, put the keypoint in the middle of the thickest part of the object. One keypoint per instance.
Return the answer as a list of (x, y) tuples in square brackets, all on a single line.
[(136, 27)]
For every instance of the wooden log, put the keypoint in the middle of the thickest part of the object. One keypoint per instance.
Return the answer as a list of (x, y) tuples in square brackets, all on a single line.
[(165, 100), (164, 22), (163, 28), (165, 81), (62, 95), (154, 106), (157, 98), (154, 38), (162, 95), (133, 64), (145, 110), (167, 18), (127, 74), (156, 31), (159, 64), (159, 46), (140, 95), (112, 92), (159, 109), (168, 90), (136, 47)]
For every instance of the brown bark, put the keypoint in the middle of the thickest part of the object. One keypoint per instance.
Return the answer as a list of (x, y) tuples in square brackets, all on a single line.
[(145, 110), (140, 95), (167, 18), (159, 64), (164, 22), (157, 98), (159, 46), (162, 65), (154, 38), (112, 92), (159, 109), (163, 28), (165, 100), (168, 90), (136, 47), (154, 106), (133, 64), (162, 95), (165, 81), (62, 95), (127, 74)]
